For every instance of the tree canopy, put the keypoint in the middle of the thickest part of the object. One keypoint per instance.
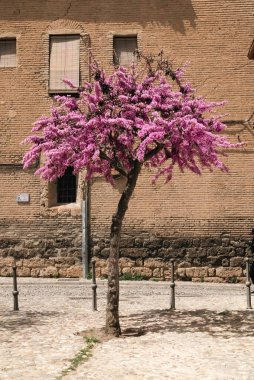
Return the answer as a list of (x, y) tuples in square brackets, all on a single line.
[(126, 117)]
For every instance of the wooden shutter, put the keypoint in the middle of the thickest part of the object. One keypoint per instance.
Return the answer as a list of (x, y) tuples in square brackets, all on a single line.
[(8, 52), (64, 61), (124, 48)]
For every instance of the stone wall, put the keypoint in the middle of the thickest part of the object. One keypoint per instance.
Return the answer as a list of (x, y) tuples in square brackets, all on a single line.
[(200, 259), (219, 259), (55, 251)]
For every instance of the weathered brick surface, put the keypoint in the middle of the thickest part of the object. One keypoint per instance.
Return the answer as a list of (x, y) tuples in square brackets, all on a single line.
[(200, 221)]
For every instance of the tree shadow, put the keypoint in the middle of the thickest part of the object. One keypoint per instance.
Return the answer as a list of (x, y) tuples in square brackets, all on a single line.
[(224, 324), (163, 12), (16, 321)]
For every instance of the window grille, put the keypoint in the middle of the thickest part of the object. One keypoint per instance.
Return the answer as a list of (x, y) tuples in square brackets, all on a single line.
[(67, 187), (124, 48), (64, 62), (8, 52)]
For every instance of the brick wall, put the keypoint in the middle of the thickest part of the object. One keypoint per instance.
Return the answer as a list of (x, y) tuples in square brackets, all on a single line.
[(215, 37)]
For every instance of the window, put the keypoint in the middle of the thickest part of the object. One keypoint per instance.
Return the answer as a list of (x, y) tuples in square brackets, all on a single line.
[(8, 52), (64, 62), (251, 51), (67, 187), (124, 48)]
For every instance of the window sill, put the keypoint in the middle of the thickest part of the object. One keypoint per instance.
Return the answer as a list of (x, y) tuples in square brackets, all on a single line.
[(71, 92), (7, 67), (65, 206), (69, 209)]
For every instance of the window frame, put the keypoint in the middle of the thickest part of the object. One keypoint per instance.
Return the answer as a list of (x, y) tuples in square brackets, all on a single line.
[(67, 175), (10, 39), (119, 37), (67, 91)]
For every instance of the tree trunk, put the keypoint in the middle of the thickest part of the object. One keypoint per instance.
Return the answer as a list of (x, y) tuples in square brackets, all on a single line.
[(112, 313)]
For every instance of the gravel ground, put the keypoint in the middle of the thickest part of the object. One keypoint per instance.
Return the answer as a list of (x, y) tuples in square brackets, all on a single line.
[(210, 335)]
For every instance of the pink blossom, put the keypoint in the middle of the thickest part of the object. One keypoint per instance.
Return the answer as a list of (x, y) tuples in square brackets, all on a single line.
[(124, 117)]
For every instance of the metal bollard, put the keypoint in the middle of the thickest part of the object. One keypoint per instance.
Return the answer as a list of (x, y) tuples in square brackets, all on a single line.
[(94, 286), (248, 284), (15, 290), (172, 286)]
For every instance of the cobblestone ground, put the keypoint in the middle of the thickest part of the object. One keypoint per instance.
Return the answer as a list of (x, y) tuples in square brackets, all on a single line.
[(209, 336)]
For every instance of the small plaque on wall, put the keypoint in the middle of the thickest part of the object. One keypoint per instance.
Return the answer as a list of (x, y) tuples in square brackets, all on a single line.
[(22, 198)]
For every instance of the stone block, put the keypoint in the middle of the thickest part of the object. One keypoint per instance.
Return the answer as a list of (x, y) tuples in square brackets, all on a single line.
[(240, 251), (74, 271), (213, 279), (6, 243), (196, 262), (134, 253), (184, 264), (196, 242), (139, 262), (241, 280), (225, 242), (197, 272), (104, 271), (153, 243), (210, 242), (20, 263), (226, 272), (100, 263), (192, 252), (182, 243), (157, 273), (212, 251), (49, 272), (139, 242), (6, 271), (181, 273), (62, 272), (166, 243), (126, 242), (153, 263), (23, 272), (35, 263), (35, 272), (126, 262), (7, 262), (162, 252), (214, 260), (248, 251), (235, 243), (126, 270), (146, 273), (211, 272), (225, 262), (197, 279), (105, 252), (237, 261), (96, 250)]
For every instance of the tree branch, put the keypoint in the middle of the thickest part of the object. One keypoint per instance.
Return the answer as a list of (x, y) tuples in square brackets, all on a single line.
[(240, 121), (153, 152), (113, 163)]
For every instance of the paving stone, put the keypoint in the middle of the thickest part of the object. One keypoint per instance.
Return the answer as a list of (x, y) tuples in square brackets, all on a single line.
[(38, 342)]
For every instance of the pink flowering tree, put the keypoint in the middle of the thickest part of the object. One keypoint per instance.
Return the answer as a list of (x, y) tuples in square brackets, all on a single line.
[(124, 122)]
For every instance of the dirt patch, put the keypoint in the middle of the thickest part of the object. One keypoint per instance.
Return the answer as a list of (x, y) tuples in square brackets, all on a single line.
[(96, 333)]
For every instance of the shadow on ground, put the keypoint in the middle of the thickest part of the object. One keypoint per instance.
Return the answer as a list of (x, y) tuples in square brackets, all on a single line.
[(16, 321), (224, 324)]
